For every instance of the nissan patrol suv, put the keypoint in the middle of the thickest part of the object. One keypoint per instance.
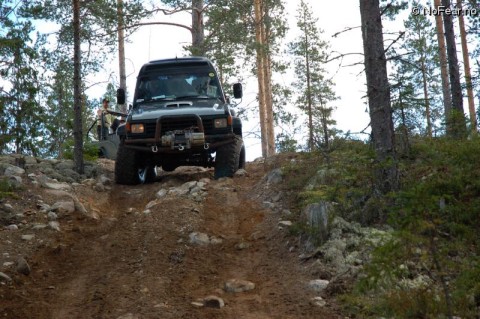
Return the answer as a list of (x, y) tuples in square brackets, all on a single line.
[(179, 116)]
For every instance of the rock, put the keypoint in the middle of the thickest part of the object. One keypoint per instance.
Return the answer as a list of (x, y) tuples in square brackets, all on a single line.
[(8, 264), (214, 302), (99, 187), (105, 180), (63, 207), (240, 173), (23, 267), (39, 226), (43, 208), (48, 183), (152, 203), (199, 238), (52, 216), (323, 176), (197, 304), (286, 223), (161, 193), (54, 225), (28, 237), (275, 176), (5, 277), (317, 216), (268, 205), (215, 241), (238, 285), (318, 301), (318, 285), (7, 207), (14, 171), (12, 227), (15, 181), (89, 182)]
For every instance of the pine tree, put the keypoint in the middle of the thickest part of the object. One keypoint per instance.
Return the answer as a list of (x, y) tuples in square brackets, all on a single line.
[(314, 90), (418, 69), (378, 91), (21, 120)]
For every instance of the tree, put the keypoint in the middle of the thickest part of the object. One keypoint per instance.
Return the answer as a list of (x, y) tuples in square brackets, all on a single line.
[(378, 92), (95, 23), (21, 121), (77, 93), (254, 26), (456, 120), (466, 67), (442, 52), (313, 89), (417, 69)]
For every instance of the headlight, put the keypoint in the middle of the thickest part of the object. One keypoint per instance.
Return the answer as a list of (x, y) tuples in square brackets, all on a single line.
[(219, 123), (137, 128)]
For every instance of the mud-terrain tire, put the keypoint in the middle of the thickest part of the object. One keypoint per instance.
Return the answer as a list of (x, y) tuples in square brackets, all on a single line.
[(228, 158), (242, 160), (103, 153), (129, 170)]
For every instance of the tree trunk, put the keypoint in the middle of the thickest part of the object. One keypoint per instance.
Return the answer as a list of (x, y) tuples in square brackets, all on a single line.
[(425, 96), (121, 51), (442, 52), (457, 117), (198, 33), (309, 96), (326, 135), (77, 94), (378, 92), (466, 66), (269, 102), (260, 50)]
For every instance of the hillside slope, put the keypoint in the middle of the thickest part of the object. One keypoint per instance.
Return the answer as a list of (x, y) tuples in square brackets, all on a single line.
[(186, 246)]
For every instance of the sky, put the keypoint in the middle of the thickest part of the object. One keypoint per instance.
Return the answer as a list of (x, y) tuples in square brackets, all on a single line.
[(158, 42)]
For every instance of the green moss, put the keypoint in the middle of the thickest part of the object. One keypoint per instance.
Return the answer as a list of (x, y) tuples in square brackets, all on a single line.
[(6, 189)]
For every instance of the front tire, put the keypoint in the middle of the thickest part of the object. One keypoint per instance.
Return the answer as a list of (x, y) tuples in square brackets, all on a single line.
[(229, 159), (130, 170)]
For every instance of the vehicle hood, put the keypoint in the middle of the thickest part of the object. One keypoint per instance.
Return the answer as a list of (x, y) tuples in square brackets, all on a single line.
[(154, 110)]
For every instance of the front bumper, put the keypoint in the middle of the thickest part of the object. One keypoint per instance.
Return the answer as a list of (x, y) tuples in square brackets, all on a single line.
[(191, 139)]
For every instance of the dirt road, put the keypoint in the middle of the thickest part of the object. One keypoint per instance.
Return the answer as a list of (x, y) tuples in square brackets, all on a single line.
[(159, 256)]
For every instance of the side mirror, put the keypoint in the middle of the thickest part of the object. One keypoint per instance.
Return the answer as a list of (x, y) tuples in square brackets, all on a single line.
[(120, 96), (237, 90)]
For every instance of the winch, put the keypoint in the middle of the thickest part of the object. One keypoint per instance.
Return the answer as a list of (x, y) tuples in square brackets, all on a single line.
[(183, 139)]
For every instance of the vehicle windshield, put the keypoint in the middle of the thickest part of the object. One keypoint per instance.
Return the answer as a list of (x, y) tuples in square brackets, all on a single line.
[(175, 84)]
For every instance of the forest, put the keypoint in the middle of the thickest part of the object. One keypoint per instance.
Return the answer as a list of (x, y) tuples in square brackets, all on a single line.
[(414, 169)]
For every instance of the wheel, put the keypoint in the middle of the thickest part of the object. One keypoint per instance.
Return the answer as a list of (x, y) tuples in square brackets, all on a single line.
[(228, 158), (146, 174), (102, 153), (130, 170), (241, 163)]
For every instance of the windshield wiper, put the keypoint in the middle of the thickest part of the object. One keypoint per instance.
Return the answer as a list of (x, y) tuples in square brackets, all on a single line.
[(156, 98), (194, 96)]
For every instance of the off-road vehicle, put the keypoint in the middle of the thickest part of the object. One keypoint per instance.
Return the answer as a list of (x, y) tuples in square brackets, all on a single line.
[(179, 116)]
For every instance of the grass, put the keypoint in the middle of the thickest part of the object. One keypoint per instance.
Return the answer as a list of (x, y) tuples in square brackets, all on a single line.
[(431, 266)]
